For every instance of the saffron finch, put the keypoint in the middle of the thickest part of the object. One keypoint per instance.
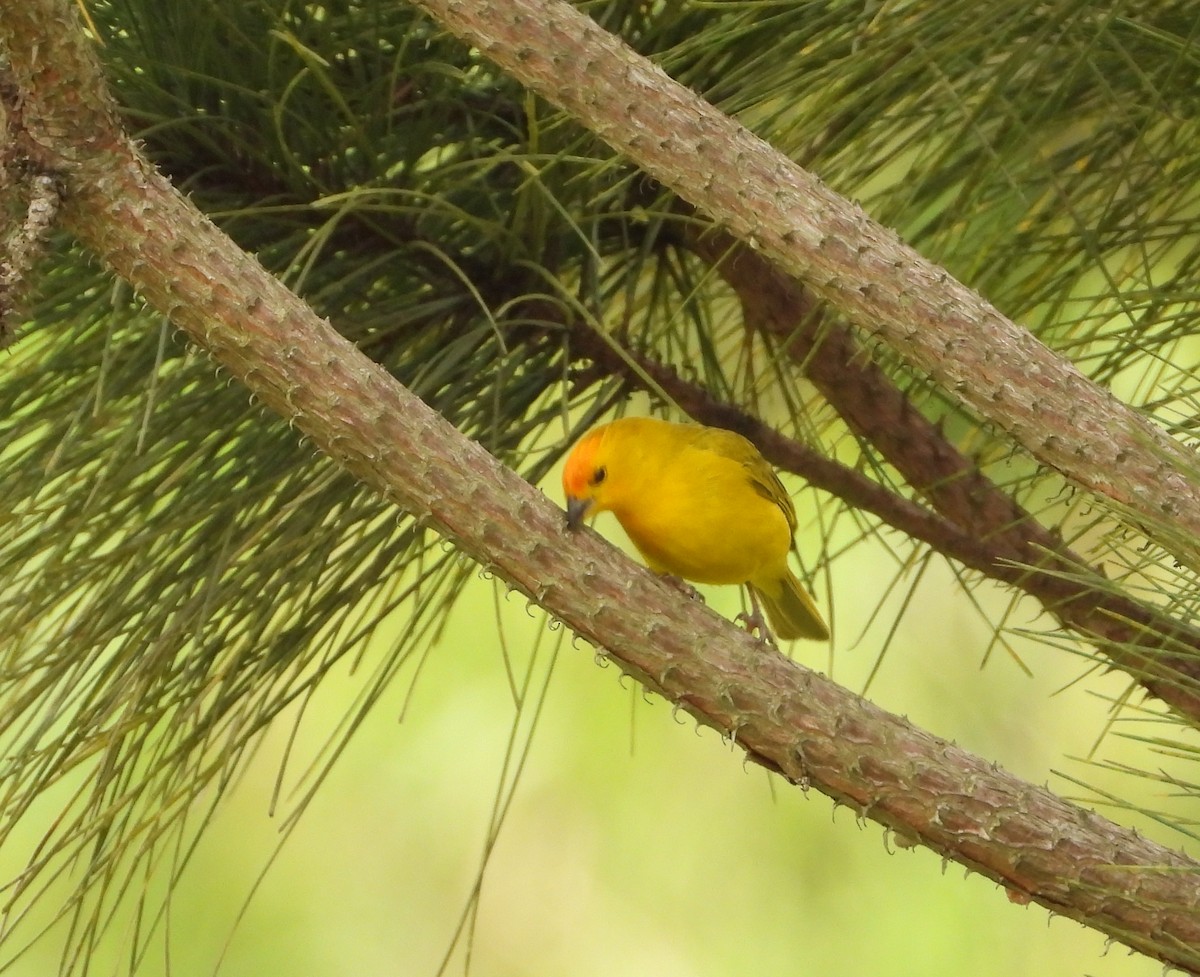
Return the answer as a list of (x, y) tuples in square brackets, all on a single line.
[(699, 503)]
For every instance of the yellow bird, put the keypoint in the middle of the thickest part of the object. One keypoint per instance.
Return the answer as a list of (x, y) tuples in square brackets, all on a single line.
[(700, 503)]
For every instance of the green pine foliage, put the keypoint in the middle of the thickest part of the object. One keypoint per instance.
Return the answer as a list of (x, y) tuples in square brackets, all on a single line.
[(180, 567)]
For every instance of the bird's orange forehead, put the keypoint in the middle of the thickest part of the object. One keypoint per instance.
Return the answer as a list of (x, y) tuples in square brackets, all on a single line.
[(580, 466)]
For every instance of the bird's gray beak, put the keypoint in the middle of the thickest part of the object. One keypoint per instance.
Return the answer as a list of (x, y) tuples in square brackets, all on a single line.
[(576, 510)]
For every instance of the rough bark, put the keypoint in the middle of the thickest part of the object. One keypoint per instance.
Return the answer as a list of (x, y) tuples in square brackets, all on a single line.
[(982, 526), (936, 323), (786, 717)]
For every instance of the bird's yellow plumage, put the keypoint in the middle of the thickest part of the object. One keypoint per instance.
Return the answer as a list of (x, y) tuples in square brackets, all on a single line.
[(700, 503)]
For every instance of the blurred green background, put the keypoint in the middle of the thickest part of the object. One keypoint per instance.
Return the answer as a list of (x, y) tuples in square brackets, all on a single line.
[(635, 843)]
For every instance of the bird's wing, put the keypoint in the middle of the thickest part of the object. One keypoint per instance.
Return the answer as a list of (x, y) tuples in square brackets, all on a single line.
[(761, 475), (767, 484)]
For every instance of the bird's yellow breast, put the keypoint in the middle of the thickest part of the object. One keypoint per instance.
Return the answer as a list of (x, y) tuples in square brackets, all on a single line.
[(697, 513)]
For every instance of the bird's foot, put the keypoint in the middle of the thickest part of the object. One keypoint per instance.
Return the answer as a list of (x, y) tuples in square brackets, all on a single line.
[(756, 623), (757, 626), (682, 586)]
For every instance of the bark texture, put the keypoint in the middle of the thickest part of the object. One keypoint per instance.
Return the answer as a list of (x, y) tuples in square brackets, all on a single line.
[(784, 716), (936, 323)]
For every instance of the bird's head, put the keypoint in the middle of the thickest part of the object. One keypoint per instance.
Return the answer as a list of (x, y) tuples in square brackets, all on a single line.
[(586, 478)]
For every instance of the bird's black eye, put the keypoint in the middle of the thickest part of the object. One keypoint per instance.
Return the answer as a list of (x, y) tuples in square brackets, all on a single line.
[(599, 475)]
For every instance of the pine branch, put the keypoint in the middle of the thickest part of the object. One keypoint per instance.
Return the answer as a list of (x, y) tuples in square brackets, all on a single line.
[(983, 528), (860, 268), (787, 718)]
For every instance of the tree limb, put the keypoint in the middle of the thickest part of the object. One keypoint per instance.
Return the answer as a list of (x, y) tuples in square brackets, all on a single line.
[(862, 269), (785, 716), (984, 528)]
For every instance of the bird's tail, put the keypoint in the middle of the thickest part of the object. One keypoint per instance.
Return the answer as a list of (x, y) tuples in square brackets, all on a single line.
[(792, 613)]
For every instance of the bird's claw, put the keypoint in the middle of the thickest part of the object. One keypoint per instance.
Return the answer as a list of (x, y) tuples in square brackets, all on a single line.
[(754, 622), (683, 586)]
